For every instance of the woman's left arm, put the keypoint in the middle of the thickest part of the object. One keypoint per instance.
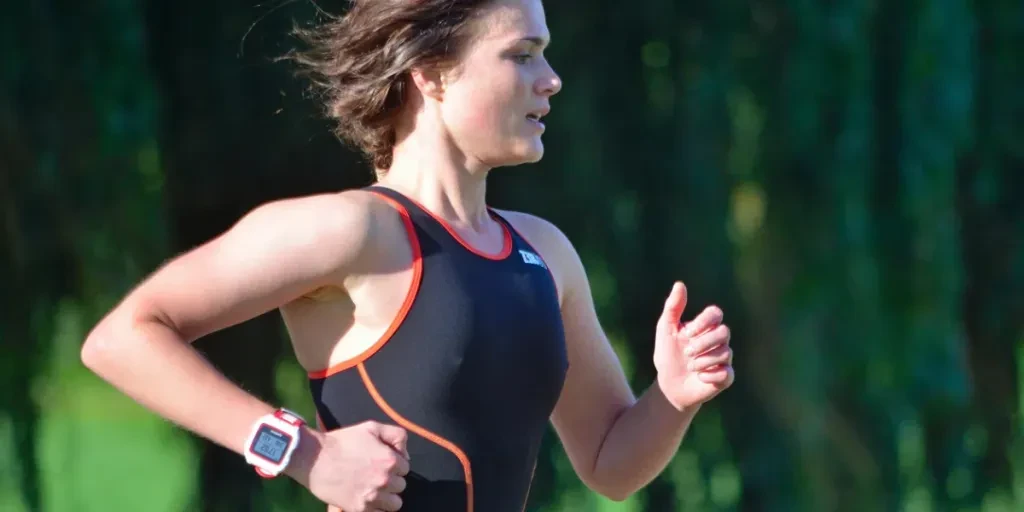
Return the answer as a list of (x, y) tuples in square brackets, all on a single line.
[(616, 443)]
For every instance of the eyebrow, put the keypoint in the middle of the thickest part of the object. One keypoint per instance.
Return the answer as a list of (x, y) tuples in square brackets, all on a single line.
[(537, 40)]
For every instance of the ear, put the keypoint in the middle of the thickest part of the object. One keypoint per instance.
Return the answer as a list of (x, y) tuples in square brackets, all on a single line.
[(429, 81)]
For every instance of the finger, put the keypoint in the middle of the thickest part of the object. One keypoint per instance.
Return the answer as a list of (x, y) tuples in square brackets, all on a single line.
[(396, 484), (386, 459), (387, 501), (399, 465), (720, 355), (394, 436), (721, 377), (674, 306), (718, 336), (708, 319)]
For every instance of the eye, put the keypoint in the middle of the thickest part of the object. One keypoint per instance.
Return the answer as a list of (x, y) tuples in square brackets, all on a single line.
[(522, 58)]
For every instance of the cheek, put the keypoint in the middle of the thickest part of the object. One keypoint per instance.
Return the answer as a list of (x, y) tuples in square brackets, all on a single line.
[(485, 104), (479, 109)]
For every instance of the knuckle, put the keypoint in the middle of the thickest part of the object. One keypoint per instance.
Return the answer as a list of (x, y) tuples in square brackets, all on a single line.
[(377, 492), (369, 497), (401, 433), (389, 461), (373, 496)]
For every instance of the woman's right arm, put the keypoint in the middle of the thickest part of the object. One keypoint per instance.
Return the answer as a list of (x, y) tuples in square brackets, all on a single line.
[(273, 255)]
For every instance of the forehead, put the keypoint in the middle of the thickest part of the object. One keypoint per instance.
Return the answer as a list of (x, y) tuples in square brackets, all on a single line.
[(512, 19)]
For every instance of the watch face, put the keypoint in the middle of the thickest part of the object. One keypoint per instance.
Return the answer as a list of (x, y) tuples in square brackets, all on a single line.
[(270, 443)]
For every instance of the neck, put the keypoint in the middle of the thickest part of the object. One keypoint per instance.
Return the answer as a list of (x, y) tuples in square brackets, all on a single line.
[(442, 179)]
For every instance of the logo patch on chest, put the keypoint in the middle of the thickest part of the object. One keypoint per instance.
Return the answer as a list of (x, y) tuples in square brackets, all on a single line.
[(532, 258)]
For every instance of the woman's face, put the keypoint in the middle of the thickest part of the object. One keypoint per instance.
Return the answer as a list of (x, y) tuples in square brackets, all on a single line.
[(502, 87)]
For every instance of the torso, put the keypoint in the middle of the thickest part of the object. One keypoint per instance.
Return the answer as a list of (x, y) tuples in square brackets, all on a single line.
[(458, 341)]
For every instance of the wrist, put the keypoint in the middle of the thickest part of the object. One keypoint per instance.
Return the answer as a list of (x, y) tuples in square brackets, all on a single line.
[(304, 457), (682, 409)]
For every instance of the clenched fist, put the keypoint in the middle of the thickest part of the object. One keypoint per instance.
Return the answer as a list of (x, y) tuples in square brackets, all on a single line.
[(360, 468)]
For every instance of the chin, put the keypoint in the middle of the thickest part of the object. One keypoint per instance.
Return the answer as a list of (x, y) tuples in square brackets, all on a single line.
[(523, 158), (530, 152), (533, 157), (519, 153)]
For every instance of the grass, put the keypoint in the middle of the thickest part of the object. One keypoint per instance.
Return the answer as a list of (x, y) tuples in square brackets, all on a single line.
[(98, 450)]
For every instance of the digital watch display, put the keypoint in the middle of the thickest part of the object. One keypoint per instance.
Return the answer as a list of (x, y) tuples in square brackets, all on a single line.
[(273, 439)]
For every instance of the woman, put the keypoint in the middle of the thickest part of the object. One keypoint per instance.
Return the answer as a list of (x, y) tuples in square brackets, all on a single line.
[(440, 335)]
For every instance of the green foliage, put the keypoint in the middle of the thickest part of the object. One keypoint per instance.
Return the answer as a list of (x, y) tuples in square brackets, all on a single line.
[(841, 177)]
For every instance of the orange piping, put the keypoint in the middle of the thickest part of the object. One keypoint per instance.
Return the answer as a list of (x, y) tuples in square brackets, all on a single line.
[(410, 296), (506, 248), (408, 425)]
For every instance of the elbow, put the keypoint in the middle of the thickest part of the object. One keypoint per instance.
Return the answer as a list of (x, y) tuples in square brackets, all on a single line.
[(616, 494), (97, 349), (617, 497), (109, 342), (615, 489)]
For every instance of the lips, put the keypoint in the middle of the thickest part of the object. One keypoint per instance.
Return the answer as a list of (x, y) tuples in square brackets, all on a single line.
[(536, 115)]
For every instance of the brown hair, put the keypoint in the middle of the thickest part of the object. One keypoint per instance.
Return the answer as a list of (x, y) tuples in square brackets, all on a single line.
[(358, 63)]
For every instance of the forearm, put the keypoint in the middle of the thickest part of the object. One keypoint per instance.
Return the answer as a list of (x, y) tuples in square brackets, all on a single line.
[(640, 444), (151, 364)]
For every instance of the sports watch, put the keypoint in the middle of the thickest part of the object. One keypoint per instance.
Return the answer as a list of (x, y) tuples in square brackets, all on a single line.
[(273, 439)]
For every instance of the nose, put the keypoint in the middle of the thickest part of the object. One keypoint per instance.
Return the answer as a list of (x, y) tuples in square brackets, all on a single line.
[(550, 83)]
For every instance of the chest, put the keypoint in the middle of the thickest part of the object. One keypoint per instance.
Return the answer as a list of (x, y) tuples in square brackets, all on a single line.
[(486, 332)]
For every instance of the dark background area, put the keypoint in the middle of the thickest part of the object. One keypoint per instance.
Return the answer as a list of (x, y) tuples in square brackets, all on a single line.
[(843, 178)]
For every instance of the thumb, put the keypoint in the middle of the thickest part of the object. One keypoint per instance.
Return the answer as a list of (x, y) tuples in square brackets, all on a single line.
[(674, 306), (394, 436)]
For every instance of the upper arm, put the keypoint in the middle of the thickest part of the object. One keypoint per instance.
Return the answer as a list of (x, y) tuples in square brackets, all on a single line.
[(596, 390), (274, 254)]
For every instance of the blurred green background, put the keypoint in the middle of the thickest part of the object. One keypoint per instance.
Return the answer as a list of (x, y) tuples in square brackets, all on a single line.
[(842, 177)]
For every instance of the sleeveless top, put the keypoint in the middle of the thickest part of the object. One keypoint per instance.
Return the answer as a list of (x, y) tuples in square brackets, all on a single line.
[(471, 368)]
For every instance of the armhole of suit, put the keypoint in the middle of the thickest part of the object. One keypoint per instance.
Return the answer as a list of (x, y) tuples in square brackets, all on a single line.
[(410, 297)]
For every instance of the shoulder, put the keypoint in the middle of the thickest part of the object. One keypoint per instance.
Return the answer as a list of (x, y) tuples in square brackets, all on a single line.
[(328, 212), (554, 246), (538, 231), (341, 228)]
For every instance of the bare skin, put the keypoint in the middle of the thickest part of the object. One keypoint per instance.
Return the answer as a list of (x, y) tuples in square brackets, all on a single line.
[(337, 266)]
